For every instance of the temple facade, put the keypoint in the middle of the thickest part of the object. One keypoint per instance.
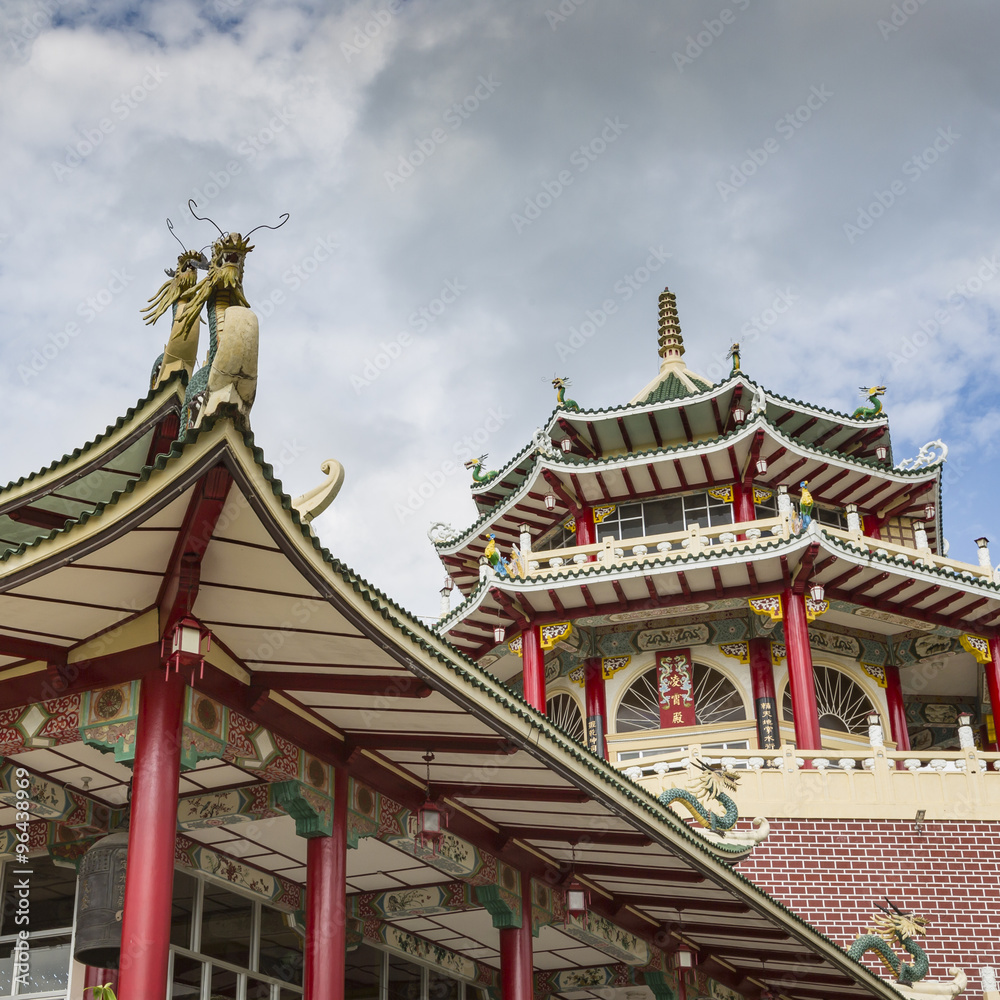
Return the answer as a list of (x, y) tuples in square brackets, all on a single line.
[(232, 768)]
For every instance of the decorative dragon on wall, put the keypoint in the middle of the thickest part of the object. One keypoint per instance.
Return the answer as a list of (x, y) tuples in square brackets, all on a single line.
[(873, 393), (709, 785), (895, 927), (560, 385)]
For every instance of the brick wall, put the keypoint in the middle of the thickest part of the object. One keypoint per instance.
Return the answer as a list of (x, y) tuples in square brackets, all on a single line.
[(832, 872)]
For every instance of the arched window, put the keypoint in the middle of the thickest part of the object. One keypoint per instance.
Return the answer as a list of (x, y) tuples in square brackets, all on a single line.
[(841, 703), (715, 700), (563, 710)]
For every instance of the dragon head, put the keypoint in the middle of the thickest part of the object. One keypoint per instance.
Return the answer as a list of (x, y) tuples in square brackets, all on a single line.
[(712, 782), (228, 257), (475, 463), (875, 390), (895, 925), (560, 383)]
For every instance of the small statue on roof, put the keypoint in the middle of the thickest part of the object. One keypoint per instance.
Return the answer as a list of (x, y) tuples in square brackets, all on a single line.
[(734, 353), (476, 464), (873, 393), (805, 504), (895, 927), (560, 384)]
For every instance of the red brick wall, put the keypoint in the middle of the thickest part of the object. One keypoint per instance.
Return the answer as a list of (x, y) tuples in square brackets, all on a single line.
[(832, 872)]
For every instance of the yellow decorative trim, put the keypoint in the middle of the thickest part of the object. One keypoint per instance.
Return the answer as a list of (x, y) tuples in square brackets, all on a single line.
[(610, 665), (977, 645), (722, 493), (600, 513), (770, 606), (760, 494), (578, 675), (815, 608), (515, 645), (570, 525), (737, 650), (778, 653), (551, 634), (876, 672)]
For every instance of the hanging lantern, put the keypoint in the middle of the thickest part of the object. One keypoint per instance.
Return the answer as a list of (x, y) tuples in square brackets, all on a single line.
[(685, 957), (550, 501), (566, 444), (432, 820), (817, 592), (739, 414), (189, 644), (929, 511), (577, 900), (761, 466), (499, 633), (100, 899), (881, 452)]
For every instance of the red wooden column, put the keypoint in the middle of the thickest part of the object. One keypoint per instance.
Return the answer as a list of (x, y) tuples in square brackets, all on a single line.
[(516, 962), (326, 904), (586, 533), (897, 712), (533, 660), (743, 505), (872, 527), (993, 685), (800, 672), (596, 705), (765, 705), (149, 880)]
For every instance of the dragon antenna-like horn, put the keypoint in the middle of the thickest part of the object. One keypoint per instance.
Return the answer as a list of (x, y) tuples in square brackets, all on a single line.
[(200, 218), (170, 226), (283, 217)]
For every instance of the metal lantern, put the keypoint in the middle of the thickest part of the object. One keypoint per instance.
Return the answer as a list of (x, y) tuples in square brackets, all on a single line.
[(739, 414), (685, 957), (817, 592), (929, 511), (189, 643), (577, 900), (499, 633), (761, 466), (550, 501), (100, 899), (881, 452), (965, 718), (982, 542), (566, 444)]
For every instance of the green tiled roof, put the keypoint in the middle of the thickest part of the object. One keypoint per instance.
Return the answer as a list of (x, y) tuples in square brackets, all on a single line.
[(673, 388)]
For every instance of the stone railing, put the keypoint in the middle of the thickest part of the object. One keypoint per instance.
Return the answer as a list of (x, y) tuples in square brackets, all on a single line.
[(661, 548), (875, 783)]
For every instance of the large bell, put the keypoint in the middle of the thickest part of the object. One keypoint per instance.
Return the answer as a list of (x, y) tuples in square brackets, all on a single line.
[(100, 901)]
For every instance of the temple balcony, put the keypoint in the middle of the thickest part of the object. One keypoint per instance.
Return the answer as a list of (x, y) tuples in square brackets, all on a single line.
[(830, 783)]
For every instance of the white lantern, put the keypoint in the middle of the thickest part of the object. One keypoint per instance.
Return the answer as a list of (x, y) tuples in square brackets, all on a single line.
[(739, 414), (881, 452), (817, 592), (761, 466), (566, 444), (550, 501), (499, 632)]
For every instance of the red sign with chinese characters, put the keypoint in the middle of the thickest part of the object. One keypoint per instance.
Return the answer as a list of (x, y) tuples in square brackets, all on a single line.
[(675, 676)]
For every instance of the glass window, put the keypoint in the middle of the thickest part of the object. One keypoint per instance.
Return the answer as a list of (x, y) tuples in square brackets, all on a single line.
[(442, 987), (186, 978), (562, 538), (658, 517), (48, 965), (257, 989), (280, 948), (663, 516), (224, 984), (52, 893), (182, 915), (834, 518), (363, 973), (403, 980), (226, 926)]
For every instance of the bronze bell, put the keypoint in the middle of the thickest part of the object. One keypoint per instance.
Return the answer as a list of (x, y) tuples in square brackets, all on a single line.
[(100, 901)]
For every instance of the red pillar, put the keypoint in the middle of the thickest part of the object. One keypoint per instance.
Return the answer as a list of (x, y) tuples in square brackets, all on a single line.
[(800, 672), (765, 705), (149, 879), (871, 526), (585, 528), (534, 667), (516, 962), (897, 712), (326, 904), (743, 505), (596, 705), (993, 685)]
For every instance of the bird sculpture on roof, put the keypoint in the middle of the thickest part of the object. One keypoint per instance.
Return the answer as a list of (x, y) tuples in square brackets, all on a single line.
[(872, 393), (805, 504), (494, 558)]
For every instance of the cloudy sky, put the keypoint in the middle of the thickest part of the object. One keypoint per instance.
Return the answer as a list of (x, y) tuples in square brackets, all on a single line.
[(468, 180)]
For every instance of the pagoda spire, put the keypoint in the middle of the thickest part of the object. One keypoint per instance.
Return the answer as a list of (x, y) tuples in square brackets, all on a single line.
[(674, 379)]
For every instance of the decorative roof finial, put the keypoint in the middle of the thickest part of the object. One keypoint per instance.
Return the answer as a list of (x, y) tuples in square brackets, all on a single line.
[(671, 342)]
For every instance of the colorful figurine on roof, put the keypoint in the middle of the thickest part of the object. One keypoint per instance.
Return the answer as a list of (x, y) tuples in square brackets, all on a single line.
[(806, 504), (502, 567), (734, 353), (560, 384), (899, 928), (476, 465), (873, 393)]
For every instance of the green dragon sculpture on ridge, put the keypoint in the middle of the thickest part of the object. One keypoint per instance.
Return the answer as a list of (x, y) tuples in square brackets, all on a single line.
[(560, 384), (710, 785), (895, 927), (873, 393), (478, 476)]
